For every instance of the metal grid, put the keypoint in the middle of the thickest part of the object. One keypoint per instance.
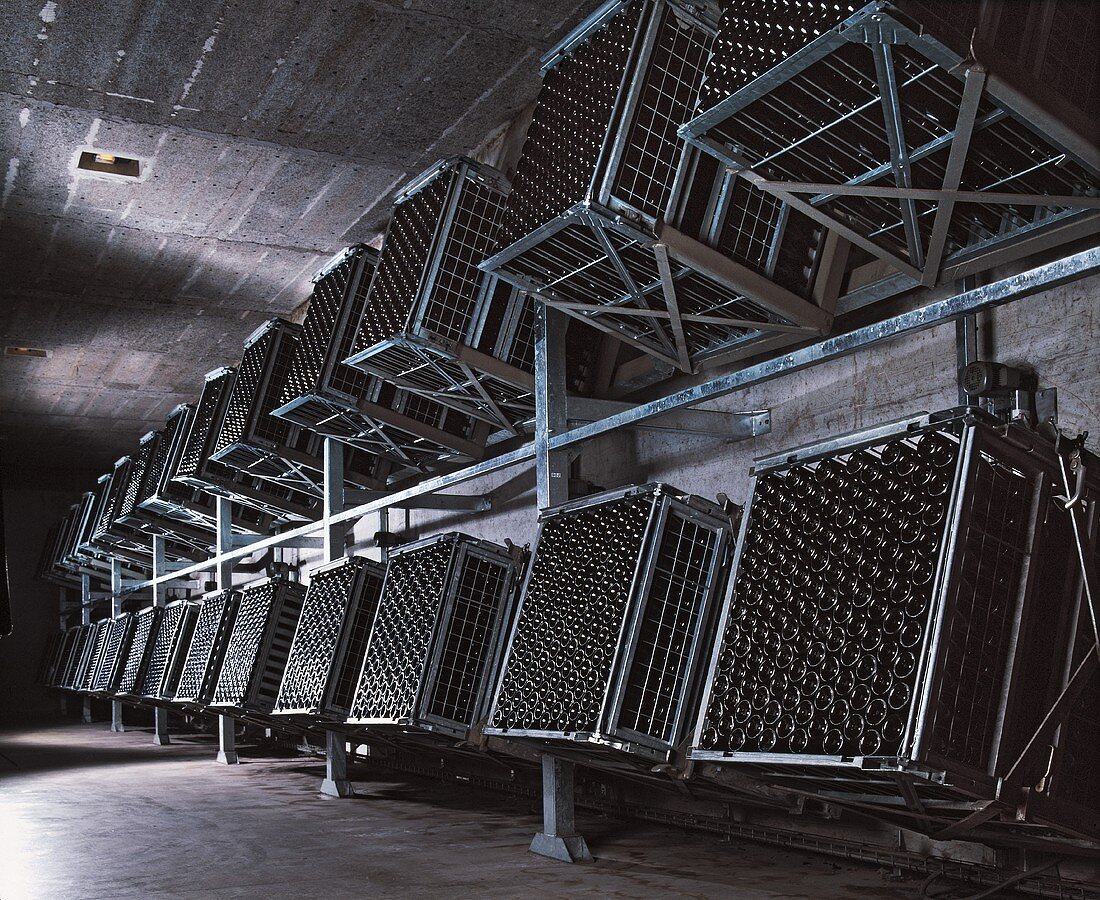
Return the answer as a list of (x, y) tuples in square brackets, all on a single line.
[(259, 645), (671, 617), (431, 320), (842, 113), (115, 653), (601, 238), (397, 650), (173, 637), (615, 617), (438, 624), (146, 625), (77, 647), (330, 640), (467, 640), (831, 602), (195, 468), (896, 632), (50, 659), (206, 652), (69, 639), (89, 670)]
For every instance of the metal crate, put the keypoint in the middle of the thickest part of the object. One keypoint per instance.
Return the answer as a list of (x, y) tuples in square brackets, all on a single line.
[(94, 651), (411, 434), (52, 659), (331, 639), (206, 652), (258, 647), (170, 644), (429, 658), (195, 467), (116, 649), (841, 120), (272, 449), (78, 646), (614, 221), (616, 619), (896, 623), (434, 324), (146, 625)]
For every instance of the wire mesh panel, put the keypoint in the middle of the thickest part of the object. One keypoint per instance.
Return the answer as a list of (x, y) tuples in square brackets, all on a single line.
[(170, 644), (617, 611), (204, 657), (196, 468), (897, 613), (258, 646), (48, 664), (78, 647), (146, 625), (615, 222), (54, 672), (93, 656), (331, 639), (839, 110), (120, 632), (432, 320), (427, 661)]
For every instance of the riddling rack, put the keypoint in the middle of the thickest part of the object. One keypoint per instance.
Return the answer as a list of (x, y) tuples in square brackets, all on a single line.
[(93, 656), (615, 221), (258, 647), (203, 657), (116, 648), (903, 612), (146, 625), (169, 651), (196, 468), (616, 618), (258, 444), (325, 395), (433, 648), (433, 323), (840, 121), (330, 640)]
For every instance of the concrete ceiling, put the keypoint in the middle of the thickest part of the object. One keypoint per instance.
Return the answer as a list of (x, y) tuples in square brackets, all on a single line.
[(272, 134)]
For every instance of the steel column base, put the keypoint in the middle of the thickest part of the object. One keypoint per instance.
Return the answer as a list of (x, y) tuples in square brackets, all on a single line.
[(116, 717), (228, 757), (566, 848), (337, 788), (160, 727), (161, 740), (86, 713)]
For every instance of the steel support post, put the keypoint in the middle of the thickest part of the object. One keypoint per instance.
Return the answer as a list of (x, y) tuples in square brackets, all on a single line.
[(160, 567), (558, 838), (227, 737), (551, 414), (86, 619), (63, 601), (335, 783), (116, 610)]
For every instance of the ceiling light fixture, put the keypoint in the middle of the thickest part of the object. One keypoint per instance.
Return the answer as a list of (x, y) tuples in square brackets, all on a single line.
[(109, 164)]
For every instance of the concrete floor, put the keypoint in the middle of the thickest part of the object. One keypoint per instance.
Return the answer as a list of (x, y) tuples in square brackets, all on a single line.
[(89, 814)]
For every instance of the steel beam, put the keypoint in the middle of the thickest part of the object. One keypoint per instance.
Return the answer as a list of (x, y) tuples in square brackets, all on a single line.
[(336, 783), (733, 426)]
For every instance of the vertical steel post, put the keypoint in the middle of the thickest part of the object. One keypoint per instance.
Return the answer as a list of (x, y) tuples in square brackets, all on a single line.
[(63, 603), (86, 619), (227, 738), (160, 567), (116, 610), (551, 413), (335, 783), (558, 838)]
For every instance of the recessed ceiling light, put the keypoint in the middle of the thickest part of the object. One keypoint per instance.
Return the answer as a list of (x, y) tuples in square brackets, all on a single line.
[(109, 164), (35, 352)]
